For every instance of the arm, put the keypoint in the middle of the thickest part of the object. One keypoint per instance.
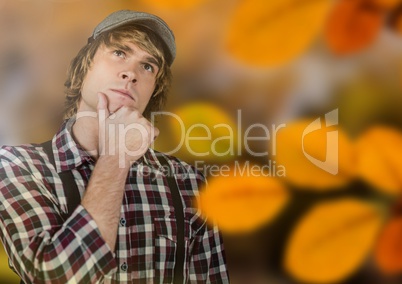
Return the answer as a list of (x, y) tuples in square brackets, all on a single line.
[(41, 247), (104, 194)]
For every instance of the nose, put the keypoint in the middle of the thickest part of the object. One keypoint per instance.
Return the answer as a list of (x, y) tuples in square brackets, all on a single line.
[(128, 76)]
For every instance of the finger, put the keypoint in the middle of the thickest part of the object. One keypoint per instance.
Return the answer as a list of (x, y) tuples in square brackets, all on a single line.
[(112, 115), (120, 108), (133, 112), (102, 105), (103, 113), (154, 133)]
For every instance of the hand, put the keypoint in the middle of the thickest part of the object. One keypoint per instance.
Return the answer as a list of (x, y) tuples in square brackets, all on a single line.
[(125, 134)]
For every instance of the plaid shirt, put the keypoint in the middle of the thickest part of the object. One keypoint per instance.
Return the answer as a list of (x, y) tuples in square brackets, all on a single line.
[(46, 247)]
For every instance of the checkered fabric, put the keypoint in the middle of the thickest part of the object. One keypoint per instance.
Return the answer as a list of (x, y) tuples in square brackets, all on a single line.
[(44, 246)]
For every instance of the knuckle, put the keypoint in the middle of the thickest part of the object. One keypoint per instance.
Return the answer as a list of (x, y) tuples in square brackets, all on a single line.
[(135, 112)]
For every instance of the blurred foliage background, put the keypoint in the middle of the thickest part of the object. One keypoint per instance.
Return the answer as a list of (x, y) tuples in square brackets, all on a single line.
[(244, 63)]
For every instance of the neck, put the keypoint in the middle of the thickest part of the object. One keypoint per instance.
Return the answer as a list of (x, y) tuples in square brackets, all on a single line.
[(85, 132)]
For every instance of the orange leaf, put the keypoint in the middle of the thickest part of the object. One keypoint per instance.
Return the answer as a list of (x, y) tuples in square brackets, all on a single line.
[(322, 159), (175, 4), (332, 240), (379, 158), (395, 19), (388, 251), (268, 33), (385, 4), (353, 25), (242, 200)]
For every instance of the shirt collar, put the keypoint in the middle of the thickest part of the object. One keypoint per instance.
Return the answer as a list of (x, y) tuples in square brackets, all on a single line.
[(69, 155)]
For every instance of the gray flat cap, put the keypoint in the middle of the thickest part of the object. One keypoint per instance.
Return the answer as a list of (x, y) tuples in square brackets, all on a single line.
[(156, 24)]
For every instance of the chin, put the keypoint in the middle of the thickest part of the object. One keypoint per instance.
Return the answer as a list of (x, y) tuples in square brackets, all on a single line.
[(114, 106)]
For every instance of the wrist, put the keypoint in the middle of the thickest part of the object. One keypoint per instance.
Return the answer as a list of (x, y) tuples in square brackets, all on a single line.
[(114, 164)]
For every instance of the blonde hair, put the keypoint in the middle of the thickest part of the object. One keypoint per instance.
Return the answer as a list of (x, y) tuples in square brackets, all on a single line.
[(138, 34)]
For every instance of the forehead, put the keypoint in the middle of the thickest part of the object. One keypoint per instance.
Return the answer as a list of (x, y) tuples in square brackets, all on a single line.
[(125, 45), (146, 41)]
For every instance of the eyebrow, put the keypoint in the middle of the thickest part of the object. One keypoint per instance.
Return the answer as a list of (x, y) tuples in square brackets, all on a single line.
[(124, 47), (130, 51), (151, 59)]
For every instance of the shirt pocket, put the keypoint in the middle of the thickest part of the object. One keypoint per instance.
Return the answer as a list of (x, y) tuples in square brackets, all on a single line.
[(165, 249)]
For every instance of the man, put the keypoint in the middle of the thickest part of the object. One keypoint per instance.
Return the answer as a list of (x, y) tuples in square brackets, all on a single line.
[(125, 229)]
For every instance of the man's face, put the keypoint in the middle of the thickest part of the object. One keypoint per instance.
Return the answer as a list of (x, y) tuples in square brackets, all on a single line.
[(126, 76)]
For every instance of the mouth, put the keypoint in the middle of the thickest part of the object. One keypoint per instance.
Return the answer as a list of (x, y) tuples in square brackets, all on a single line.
[(123, 92)]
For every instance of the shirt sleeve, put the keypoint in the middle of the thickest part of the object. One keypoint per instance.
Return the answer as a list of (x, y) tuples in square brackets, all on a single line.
[(208, 258), (42, 247)]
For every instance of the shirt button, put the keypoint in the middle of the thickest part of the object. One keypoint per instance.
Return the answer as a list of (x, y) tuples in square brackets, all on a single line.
[(123, 222), (124, 266)]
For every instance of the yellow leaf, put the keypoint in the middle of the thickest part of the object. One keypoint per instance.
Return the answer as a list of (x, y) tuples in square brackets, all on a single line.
[(6, 274), (332, 241), (379, 158), (240, 201), (322, 159), (203, 131), (268, 33)]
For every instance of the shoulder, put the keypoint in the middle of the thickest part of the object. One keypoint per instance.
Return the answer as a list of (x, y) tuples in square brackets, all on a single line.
[(26, 156)]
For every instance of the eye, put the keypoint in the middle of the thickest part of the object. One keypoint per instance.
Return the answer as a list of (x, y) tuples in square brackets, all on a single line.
[(119, 53), (149, 67)]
